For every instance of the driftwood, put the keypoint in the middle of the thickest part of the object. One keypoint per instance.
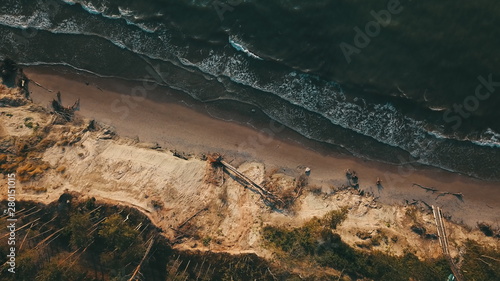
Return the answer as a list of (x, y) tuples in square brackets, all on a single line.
[(41, 86), (442, 194), (216, 159), (352, 178), (65, 112), (179, 154), (426, 188), (415, 202), (459, 195), (428, 206), (263, 192)]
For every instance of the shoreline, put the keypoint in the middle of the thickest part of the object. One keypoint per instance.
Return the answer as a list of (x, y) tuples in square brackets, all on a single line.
[(176, 121)]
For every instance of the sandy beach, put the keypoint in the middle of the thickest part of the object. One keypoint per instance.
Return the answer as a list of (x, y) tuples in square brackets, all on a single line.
[(175, 121)]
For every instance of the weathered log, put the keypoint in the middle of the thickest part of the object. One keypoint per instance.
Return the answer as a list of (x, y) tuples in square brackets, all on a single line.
[(264, 192), (426, 188)]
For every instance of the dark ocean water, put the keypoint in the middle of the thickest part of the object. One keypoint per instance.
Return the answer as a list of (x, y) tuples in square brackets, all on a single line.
[(413, 87)]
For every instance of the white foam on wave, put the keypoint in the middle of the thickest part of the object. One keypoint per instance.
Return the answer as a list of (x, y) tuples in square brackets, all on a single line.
[(143, 26), (435, 108), (382, 122), (70, 2), (41, 63), (241, 48), (39, 20), (129, 16), (489, 138), (437, 135), (14, 21), (68, 26), (133, 40), (90, 8), (124, 13)]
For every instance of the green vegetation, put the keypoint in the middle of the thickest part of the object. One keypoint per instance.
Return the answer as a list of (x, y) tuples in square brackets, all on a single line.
[(480, 263), (116, 233), (334, 218), (31, 170), (74, 240), (315, 241), (78, 227), (28, 122), (206, 241)]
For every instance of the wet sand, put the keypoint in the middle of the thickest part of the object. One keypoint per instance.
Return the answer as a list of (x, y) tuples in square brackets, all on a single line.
[(176, 121)]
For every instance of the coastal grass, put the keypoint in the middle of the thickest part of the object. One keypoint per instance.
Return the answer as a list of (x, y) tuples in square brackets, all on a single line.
[(316, 242), (480, 263), (99, 241)]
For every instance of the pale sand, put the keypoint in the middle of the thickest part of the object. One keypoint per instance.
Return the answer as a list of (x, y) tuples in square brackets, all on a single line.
[(172, 121)]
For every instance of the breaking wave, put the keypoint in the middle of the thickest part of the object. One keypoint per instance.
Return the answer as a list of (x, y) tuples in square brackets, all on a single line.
[(235, 72)]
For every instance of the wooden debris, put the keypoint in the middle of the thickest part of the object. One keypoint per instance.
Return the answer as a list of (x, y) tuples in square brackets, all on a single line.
[(352, 178), (442, 194), (443, 241), (65, 113), (92, 126), (216, 159), (180, 155), (459, 195), (425, 203), (264, 192), (426, 188), (41, 86), (348, 173), (138, 268)]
